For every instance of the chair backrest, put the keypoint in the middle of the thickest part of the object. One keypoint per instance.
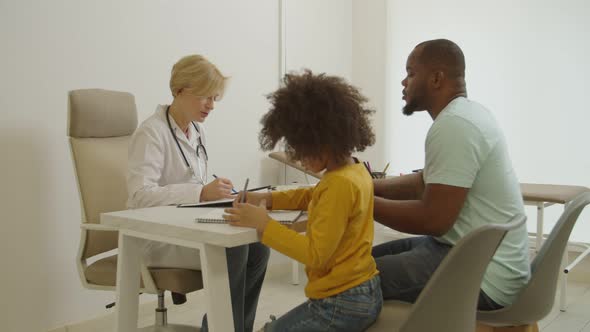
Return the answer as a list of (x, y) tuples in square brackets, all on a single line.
[(536, 299), (448, 303), (100, 124), (284, 158)]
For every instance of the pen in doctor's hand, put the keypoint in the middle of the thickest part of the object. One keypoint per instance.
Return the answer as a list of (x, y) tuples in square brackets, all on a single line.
[(233, 191)]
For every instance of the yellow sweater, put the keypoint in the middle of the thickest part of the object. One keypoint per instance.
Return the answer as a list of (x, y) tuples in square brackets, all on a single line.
[(336, 248)]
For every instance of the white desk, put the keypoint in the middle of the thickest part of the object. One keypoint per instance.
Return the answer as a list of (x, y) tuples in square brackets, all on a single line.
[(173, 225)]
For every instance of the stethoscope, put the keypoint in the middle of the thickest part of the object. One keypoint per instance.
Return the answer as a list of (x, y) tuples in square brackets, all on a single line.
[(200, 146)]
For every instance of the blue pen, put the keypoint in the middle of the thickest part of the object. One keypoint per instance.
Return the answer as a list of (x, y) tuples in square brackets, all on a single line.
[(233, 191)]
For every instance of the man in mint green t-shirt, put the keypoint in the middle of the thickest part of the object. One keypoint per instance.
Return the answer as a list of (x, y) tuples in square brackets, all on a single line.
[(467, 182)]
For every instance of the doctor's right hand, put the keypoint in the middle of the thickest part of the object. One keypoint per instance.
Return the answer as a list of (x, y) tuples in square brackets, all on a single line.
[(217, 189), (255, 198)]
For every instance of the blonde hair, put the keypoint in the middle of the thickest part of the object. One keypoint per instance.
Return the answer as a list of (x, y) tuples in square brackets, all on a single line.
[(198, 75)]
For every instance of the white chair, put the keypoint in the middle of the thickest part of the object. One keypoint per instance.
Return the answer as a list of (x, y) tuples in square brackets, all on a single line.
[(100, 124), (282, 157), (536, 299), (545, 195), (448, 302)]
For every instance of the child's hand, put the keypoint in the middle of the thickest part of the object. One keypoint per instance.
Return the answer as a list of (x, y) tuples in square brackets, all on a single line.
[(248, 215), (254, 198)]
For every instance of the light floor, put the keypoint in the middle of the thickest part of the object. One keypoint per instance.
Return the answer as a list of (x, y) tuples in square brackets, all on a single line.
[(279, 295), (577, 315)]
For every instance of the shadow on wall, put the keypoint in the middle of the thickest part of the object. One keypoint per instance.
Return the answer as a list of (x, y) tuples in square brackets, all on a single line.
[(269, 172), (39, 241), (26, 238)]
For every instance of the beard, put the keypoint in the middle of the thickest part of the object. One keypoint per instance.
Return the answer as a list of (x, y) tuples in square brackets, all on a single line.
[(409, 109), (416, 102), (413, 106)]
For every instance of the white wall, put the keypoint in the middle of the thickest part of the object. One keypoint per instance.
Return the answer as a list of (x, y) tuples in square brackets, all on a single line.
[(50, 47), (344, 38), (527, 61), (317, 37), (369, 64)]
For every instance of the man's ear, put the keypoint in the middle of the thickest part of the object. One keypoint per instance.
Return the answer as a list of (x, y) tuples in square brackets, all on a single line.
[(437, 78)]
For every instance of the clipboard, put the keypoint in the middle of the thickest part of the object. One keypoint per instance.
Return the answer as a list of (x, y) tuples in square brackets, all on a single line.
[(226, 202)]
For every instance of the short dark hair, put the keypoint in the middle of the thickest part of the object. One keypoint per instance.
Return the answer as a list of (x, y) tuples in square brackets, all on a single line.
[(443, 54), (316, 112)]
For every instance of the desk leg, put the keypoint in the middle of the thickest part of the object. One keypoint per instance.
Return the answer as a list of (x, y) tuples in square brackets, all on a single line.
[(294, 272), (216, 282), (563, 283), (540, 215), (563, 286), (128, 277)]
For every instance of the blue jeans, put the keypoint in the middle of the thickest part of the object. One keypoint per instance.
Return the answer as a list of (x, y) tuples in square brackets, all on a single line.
[(246, 267), (406, 265), (352, 310)]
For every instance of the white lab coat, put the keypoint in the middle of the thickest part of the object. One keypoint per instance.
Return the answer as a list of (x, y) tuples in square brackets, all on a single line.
[(158, 175)]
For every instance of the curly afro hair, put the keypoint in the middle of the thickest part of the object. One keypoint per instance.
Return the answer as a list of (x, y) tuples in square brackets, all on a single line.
[(314, 114)]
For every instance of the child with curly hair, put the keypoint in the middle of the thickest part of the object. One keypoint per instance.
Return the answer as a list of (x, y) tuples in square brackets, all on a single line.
[(322, 121)]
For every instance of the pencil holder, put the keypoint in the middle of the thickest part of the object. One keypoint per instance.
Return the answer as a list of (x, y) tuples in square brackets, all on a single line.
[(378, 175)]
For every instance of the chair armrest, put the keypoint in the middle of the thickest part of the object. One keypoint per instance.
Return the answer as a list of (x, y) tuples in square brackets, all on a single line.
[(96, 233), (96, 239), (97, 227)]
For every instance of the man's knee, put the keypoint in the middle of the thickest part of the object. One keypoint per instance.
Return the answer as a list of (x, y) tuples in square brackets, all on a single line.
[(389, 265), (258, 256)]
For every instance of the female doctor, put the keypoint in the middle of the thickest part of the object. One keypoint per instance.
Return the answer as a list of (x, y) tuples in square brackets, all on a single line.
[(168, 165)]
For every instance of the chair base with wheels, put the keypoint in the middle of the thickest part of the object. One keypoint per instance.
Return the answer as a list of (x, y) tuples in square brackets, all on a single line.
[(523, 328), (161, 324)]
